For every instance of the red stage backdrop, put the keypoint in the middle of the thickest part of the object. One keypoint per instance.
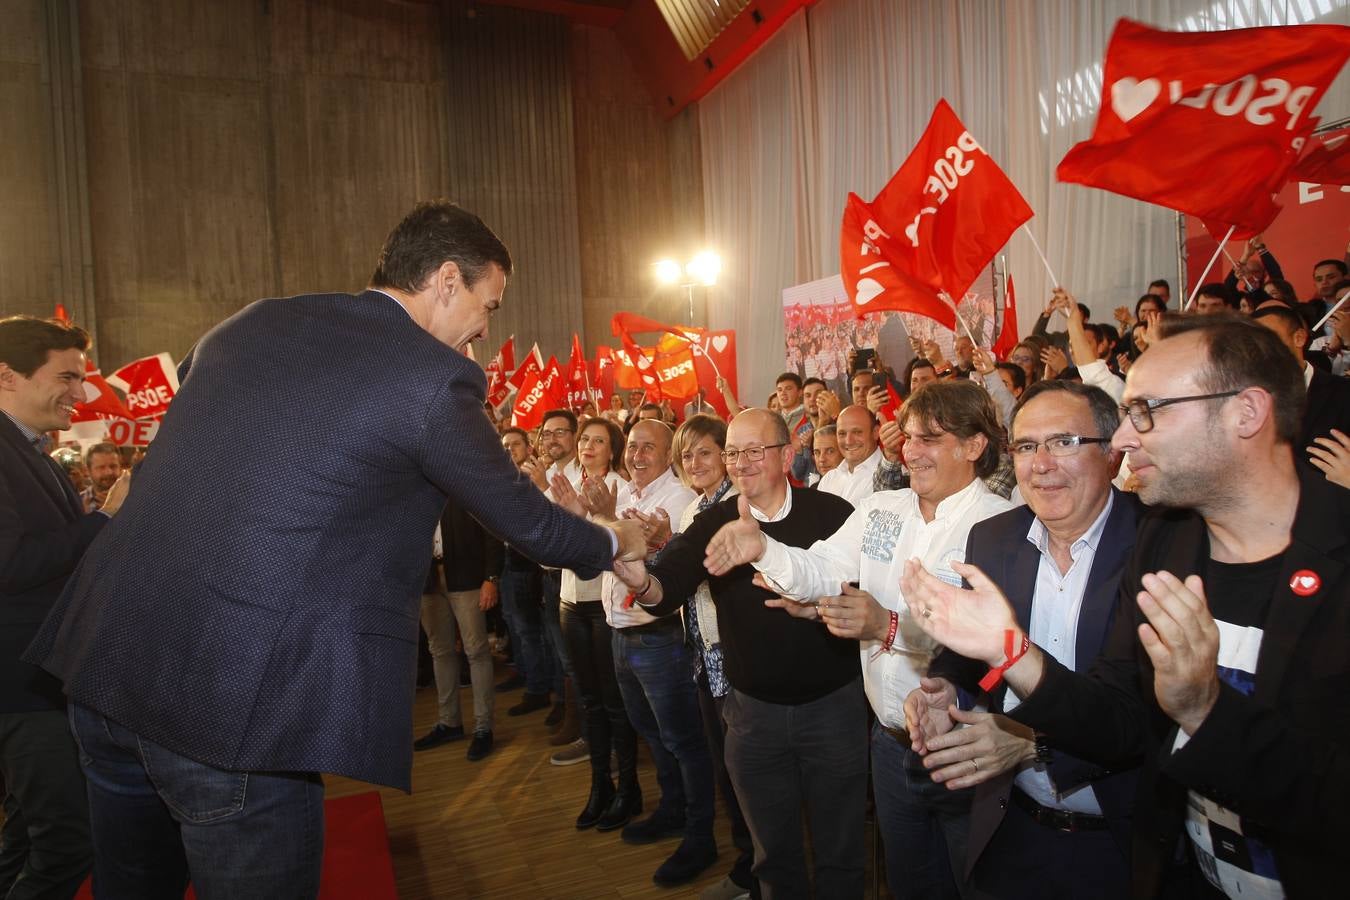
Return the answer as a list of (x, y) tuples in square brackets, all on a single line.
[(1314, 224)]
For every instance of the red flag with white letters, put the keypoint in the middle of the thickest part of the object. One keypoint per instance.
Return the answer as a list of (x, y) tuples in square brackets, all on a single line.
[(641, 364), (544, 390), (1324, 161), (674, 366), (602, 376), (921, 242), (149, 383), (501, 366), (1207, 123), (578, 379), (1007, 336), (533, 365)]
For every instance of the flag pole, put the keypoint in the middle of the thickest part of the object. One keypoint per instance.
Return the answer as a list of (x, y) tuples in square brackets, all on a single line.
[(1054, 282), (1203, 275), (1331, 312)]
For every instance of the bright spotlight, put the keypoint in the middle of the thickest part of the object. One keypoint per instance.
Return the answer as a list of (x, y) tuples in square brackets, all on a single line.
[(668, 271), (705, 267)]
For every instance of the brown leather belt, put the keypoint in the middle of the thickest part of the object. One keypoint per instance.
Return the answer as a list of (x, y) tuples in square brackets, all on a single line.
[(1058, 819)]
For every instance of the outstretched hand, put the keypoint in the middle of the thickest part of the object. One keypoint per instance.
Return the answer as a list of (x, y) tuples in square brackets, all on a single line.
[(971, 622), (736, 543)]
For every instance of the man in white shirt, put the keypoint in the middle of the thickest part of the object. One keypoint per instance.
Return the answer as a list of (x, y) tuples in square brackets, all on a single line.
[(856, 433), (952, 437), (1043, 823), (656, 676)]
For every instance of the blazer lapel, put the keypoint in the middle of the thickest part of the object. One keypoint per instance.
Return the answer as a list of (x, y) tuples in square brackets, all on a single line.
[(1103, 586), (44, 471)]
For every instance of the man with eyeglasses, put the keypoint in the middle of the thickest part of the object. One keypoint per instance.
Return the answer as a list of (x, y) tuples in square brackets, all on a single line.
[(1226, 670), (1043, 822), (795, 713), (952, 442)]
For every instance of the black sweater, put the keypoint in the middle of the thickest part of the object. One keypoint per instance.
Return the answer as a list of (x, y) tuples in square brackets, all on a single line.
[(768, 654)]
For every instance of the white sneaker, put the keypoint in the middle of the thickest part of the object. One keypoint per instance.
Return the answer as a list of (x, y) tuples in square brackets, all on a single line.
[(726, 889)]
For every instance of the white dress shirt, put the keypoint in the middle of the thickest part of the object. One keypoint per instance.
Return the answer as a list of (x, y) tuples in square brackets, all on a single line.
[(572, 589), (666, 492), (1055, 609), (853, 485), (871, 548)]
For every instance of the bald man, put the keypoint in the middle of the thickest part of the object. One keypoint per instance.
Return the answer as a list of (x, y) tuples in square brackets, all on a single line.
[(856, 433)]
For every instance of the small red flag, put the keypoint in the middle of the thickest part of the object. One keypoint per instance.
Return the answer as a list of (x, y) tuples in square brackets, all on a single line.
[(501, 366), (100, 402), (533, 365), (893, 402), (1324, 162), (578, 381), (1207, 123), (1007, 336)]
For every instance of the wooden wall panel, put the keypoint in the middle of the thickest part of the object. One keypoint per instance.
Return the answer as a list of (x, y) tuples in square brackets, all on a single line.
[(30, 257), (633, 184)]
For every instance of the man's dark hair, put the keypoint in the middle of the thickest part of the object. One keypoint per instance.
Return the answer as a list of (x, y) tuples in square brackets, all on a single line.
[(1240, 354), (1291, 319), (514, 430), (1019, 375), (651, 407), (567, 414), (1219, 291), (812, 380), (1288, 295), (1338, 263), (962, 408), (789, 376), (25, 341), (1148, 298), (1162, 283), (436, 232), (1087, 313), (1094, 330), (102, 447), (1105, 412)]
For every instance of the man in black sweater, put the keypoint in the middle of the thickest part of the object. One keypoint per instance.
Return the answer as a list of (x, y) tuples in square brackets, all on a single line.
[(796, 715)]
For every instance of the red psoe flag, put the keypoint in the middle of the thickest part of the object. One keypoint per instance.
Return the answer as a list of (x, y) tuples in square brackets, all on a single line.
[(641, 364), (541, 392), (99, 400), (149, 383), (1007, 335), (533, 365), (934, 226), (501, 366), (674, 366), (1207, 123), (578, 381), (1324, 162)]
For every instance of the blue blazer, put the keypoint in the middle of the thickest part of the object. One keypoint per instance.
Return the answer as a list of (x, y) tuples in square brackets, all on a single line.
[(254, 605), (999, 547)]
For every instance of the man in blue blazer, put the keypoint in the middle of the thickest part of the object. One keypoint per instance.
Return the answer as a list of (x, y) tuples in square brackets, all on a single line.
[(1043, 822), (250, 618), (44, 848)]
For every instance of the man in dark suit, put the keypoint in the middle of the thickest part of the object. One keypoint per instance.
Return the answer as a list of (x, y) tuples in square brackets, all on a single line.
[(45, 849), (1043, 823), (1328, 395), (1226, 666), (250, 618)]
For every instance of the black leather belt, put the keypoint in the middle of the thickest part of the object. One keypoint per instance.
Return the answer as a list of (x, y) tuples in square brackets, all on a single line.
[(1058, 819), (660, 626)]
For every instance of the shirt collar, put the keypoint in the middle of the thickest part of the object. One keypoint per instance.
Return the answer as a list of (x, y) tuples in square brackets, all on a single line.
[(660, 482), (952, 505), (395, 299), (867, 465), (1039, 535), (1307, 374), (39, 440), (778, 516)]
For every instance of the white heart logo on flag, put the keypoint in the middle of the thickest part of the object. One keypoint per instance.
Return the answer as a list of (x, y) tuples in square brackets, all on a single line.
[(643, 362), (91, 393), (1130, 97), (869, 289), (719, 342)]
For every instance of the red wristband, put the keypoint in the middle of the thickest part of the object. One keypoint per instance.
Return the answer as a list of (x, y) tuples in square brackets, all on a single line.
[(995, 674), (890, 631)]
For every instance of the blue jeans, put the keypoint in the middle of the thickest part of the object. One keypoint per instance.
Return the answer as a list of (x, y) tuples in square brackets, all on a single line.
[(923, 825), (521, 599), (157, 816), (656, 678), (558, 658)]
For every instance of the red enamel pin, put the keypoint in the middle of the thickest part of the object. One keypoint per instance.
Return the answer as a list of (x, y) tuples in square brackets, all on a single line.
[(1305, 583)]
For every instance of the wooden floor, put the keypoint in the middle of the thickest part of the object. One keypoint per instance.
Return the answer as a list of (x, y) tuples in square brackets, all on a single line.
[(503, 827)]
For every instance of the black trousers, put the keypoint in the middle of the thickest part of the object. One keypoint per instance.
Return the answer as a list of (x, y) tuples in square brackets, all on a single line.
[(606, 726), (45, 847)]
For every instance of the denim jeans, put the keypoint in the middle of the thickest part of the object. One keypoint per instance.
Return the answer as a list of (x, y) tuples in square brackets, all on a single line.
[(559, 654), (656, 678), (521, 601), (157, 816), (784, 757), (923, 825)]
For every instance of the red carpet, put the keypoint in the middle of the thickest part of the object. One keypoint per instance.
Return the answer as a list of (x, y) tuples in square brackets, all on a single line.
[(356, 860)]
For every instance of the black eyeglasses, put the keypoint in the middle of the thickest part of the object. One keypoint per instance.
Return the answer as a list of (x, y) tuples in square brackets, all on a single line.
[(1059, 445), (752, 454), (1141, 411), (554, 433)]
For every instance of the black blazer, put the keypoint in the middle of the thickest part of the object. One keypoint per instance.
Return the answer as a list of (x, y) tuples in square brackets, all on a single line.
[(43, 533), (255, 603), (470, 554), (1280, 759), (1328, 408), (999, 547)]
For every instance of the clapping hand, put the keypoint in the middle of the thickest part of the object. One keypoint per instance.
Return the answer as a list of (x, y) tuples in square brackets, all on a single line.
[(1330, 454), (1182, 640), (928, 711), (971, 622), (597, 497), (566, 496)]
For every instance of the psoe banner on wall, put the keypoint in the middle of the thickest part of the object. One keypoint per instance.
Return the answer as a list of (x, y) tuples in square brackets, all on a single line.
[(1314, 224), (820, 329)]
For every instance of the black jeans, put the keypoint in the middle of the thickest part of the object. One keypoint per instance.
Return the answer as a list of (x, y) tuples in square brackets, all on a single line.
[(45, 845), (786, 757), (589, 641)]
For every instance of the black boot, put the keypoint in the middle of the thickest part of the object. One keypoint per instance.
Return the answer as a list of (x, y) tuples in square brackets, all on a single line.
[(602, 795), (626, 804)]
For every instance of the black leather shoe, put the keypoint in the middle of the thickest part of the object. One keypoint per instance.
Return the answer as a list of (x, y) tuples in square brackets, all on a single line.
[(656, 827), (556, 715), (529, 703), (627, 803), (602, 794), (480, 746), (688, 861), (441, 734)]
